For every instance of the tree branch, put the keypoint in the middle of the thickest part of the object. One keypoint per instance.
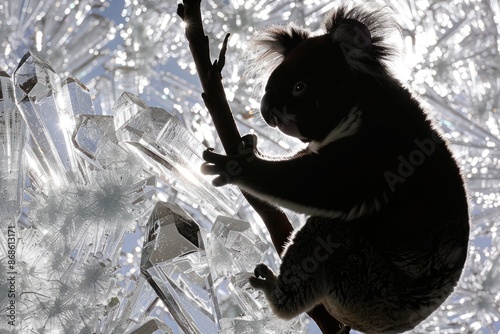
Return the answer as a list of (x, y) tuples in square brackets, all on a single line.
[(215, 100)]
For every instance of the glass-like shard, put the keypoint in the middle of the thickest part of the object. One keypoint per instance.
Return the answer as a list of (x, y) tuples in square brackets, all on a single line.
[(97, 147), (232, 251), (247, 325), (95, 140), (139, 300), (257, 315), (174, 262), (12, 141), (246, 248), (251, 301), (77, 96), (152, 325), (172, 152), (103, 102), (38, 95), (144, 190), (130, 307), (126, 107), (170, 233)]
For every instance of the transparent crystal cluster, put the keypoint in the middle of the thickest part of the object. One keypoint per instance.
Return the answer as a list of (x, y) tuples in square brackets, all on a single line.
[(202, 276), (116, 230), (76, 183)]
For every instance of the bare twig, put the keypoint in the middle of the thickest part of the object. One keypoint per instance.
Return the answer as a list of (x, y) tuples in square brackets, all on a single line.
[(215, 100)]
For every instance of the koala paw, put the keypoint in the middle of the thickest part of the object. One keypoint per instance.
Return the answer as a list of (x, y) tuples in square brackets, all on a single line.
[(268, 281), (220, 165), (233, 168)]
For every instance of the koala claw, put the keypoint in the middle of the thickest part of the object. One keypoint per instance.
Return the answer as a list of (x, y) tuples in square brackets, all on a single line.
[(267, 282), (261, 270), (249, 140)]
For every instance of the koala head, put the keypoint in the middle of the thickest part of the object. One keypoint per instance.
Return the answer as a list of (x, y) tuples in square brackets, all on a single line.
[(315, 79)]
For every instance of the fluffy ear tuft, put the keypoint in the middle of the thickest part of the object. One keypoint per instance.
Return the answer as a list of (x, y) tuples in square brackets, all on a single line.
[(362, 33), (352, 34), (267, 49)]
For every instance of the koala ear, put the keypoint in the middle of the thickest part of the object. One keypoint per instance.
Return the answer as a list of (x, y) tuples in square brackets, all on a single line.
[(284, 39), (362, 34), (351, 33)]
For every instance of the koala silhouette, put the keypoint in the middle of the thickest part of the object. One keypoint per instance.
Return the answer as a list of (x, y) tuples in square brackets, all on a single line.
[(387, 235)]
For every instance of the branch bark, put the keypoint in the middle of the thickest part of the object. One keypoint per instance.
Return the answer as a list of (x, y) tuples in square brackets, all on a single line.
[(276, 221)]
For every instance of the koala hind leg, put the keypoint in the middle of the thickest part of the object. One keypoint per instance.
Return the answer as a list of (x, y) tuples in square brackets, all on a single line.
[(304, 279)]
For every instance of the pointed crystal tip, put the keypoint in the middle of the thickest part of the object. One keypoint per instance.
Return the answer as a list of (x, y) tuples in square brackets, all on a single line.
[(170, 233), (33, 57), (34, 78)]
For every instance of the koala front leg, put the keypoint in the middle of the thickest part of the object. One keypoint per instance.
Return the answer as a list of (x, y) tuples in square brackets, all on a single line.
[(306, 183)]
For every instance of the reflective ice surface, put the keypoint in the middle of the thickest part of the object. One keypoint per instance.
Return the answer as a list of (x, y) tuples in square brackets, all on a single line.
[(193, 271), (169, 150), (71, 176)]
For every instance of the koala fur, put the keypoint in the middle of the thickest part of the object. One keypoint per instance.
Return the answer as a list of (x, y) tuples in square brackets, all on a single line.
[(387, 236)]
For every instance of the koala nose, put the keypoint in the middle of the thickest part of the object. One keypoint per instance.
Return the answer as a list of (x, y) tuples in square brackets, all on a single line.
[(268, 107)]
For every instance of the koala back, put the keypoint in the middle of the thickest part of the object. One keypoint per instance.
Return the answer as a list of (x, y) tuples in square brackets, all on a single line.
[(375, 170)]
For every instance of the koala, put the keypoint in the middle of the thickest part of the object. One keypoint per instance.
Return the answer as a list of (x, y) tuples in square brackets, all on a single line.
[(387, 232)]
